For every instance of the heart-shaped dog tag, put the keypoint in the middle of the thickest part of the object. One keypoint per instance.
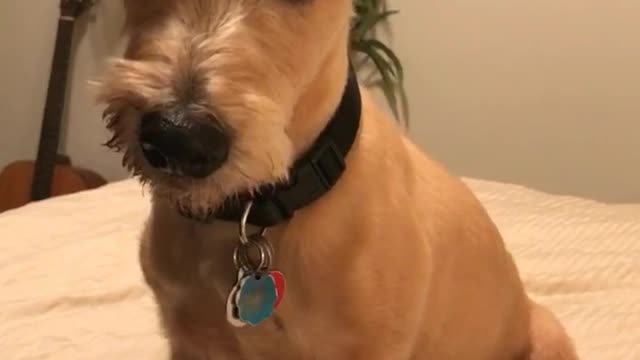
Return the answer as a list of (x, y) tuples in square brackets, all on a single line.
[(278, 280)]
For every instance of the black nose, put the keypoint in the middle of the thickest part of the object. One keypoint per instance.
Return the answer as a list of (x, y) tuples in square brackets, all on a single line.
[(183, 144)]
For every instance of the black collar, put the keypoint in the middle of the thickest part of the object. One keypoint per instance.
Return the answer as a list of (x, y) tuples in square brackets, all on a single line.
[(311, 176)]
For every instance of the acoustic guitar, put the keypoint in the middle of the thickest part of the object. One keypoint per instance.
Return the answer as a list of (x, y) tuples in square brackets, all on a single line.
[(51, 174)]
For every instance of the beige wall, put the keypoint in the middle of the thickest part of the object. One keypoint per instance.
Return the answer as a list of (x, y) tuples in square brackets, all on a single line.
[(543, 93), (27, 34)]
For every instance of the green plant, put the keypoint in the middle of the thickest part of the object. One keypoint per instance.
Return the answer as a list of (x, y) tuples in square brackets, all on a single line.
[(367, 49)]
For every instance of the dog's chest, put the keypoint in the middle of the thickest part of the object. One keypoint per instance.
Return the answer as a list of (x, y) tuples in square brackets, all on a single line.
[(192, 272)]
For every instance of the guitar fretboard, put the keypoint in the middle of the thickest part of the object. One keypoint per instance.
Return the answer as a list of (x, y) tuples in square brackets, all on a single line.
[(53, 112)]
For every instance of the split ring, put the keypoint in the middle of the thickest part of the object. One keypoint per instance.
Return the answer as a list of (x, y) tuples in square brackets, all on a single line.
[(241, 256)]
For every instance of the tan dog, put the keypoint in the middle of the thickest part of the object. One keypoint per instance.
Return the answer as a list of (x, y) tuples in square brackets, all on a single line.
[(397, 261)]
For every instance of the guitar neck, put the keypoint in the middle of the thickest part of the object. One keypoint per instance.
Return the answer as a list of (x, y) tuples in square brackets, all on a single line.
[(53, 111)]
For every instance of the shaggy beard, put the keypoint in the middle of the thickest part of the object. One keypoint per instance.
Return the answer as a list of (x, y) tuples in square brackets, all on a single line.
[(199, 200)]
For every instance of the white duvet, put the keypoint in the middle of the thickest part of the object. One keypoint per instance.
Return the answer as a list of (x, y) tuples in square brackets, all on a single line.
[(70, 286)]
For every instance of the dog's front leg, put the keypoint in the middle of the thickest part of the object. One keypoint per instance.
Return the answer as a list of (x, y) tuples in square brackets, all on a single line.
[(372, 351), (180, 354), (380, 347), (184, 355)]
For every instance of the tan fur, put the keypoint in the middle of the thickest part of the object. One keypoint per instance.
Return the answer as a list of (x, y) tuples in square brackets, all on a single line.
[(398, 261)]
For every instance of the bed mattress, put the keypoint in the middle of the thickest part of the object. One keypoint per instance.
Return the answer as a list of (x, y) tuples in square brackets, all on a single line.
[(71, 287)]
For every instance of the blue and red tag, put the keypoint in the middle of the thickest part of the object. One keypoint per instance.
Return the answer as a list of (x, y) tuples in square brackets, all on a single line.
[(255, 297)]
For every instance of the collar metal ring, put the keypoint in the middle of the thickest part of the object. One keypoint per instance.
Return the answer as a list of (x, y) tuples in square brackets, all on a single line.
[(242, 260), (244, 239), (241, 253)]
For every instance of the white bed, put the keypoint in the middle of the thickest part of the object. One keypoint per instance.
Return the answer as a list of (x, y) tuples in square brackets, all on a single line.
[(71, 287)]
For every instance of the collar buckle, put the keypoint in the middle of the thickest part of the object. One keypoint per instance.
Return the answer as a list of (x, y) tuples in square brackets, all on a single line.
[(313, 177), (328, 164)]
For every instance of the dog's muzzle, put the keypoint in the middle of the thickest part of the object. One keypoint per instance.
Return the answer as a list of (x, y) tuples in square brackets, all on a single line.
[(182, 143)]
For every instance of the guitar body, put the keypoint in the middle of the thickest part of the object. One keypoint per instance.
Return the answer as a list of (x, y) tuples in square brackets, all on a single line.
[(51, 174), (16, 180)]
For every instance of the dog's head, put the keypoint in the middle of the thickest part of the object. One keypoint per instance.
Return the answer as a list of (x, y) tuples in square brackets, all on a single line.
[(216, 97)]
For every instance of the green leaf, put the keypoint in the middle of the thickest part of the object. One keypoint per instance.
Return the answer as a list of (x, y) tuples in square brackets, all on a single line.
[(391, 55), (366, 49), (377, 44), (387, 82), (370, 21)]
